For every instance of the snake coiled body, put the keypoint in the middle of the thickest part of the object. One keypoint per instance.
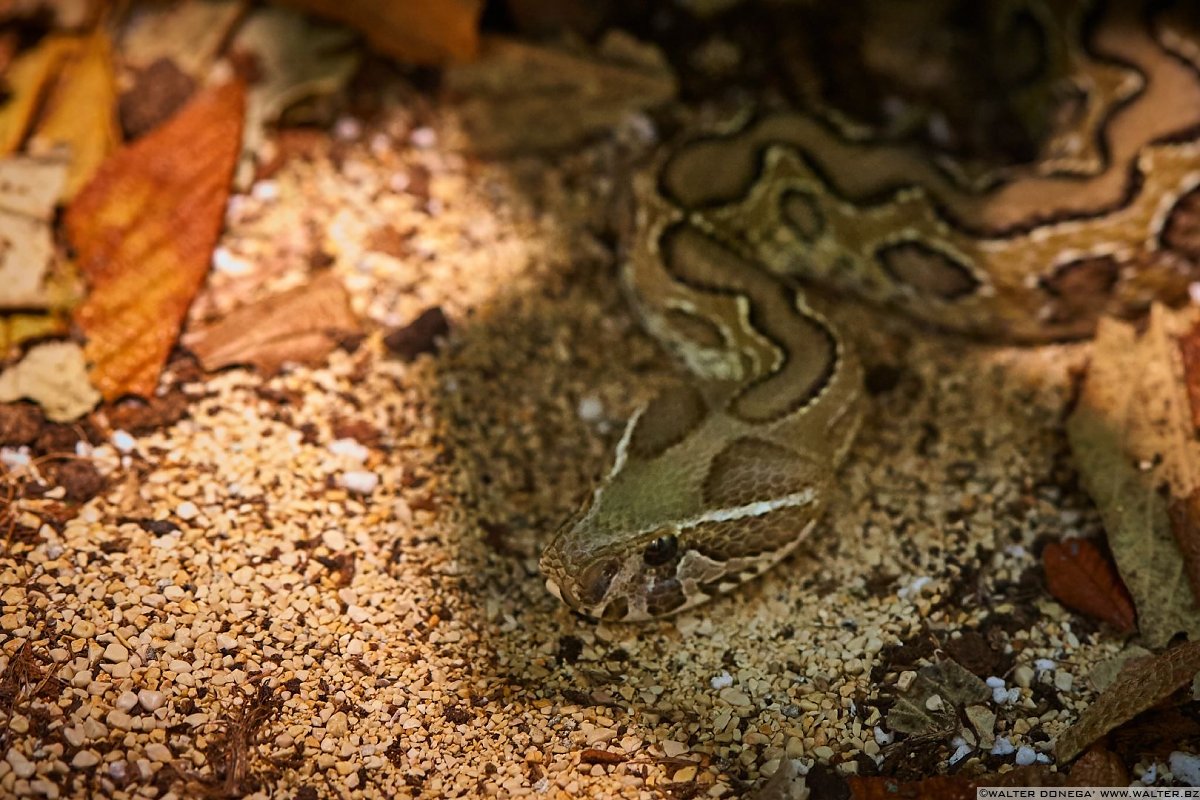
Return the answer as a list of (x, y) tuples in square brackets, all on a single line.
[(723, 475)]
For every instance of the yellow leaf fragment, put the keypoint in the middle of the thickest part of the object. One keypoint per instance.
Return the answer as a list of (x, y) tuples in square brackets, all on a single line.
[(144, 230), (298, 326), (54, 376), (79, 113), (28, 79)]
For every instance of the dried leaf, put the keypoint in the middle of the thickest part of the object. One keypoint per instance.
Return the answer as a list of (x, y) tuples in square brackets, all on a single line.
[(521, 97), (189, 34), (1131, 433), (301, 325), (1184, 514), (27, 79), (948, 787), (786, 784), (145, 229), (430, 32), (295, 60), (1139, 687), (593, 756), (930, 704), (29, 188), (79, 113), (54, 376), (1099, 767), (18, 328), (1082, 578)]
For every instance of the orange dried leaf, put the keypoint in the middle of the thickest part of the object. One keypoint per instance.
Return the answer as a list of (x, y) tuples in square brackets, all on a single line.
[(144, 230), (1139, 687), (301, 325), (26, 79), (431, 32), (1082, 578)]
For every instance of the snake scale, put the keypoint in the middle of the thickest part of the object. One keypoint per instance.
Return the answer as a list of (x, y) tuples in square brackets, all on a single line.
[(720, 477)]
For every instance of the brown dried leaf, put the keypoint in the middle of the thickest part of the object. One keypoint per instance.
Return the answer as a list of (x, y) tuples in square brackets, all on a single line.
[(430, 32), (301, 325), (1139, 687), (80, 112), (521, 97), (1185, 527), (593, 756), (949, 787), (1099, 767), (1082, 578), (1131, 434), (144, 230)]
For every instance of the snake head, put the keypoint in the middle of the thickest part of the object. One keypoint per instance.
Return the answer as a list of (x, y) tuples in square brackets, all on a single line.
[(632, 577)]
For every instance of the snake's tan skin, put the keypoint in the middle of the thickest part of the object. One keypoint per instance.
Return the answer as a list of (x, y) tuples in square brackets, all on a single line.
[(721, 477)]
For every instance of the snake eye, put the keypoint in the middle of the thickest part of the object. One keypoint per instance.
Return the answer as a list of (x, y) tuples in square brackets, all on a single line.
[(595, 580), (661, 550)]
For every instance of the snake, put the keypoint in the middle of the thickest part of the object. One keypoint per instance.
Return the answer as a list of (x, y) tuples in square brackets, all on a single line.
[(724, 472)]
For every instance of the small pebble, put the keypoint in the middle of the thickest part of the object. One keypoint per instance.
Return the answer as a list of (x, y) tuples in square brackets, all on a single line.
[(187, 510), (22, 767), (590, 409), (1002, 747), (958, 755), (1026, 756), (1044, 665), (1023, 676), (116, 653), (85, 758), (123, 441), (126, 701), (151, 700), (995, 683), (359, 481), (935, 702), (158, 752), (350, 448), (722, 681), (1185, 767)]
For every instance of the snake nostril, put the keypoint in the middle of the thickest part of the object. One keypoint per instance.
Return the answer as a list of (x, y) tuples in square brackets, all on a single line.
[(595, 580)]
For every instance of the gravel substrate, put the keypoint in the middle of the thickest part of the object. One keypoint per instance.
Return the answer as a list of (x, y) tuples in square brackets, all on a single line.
[(324, 583)]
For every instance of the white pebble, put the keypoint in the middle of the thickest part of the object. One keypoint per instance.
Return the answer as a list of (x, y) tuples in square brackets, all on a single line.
[(995, 683), (1150, 775), (158, 752), (423, 138), (722, 681), (126, 701), (1044, 665), (14, 458), (1026, 756), (187, 510), (359, 481), (590, 408), (914, 588), (962, 752), (1185, 767), (883, 737), (124, 442), (242, 576), (265, 191), (226, 262), (350, 448), (1002, 747), (226, 642), (151, 700), (1000, 696), (347, 129), (935, 702)]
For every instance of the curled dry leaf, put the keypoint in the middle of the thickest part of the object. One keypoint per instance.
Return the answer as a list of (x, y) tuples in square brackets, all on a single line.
[(53, 375), (80, 114), (931, 705), (521, 97), (1132, 433), (1141, 685), (144, 230), (299, 326), (429, 32), (1081, 577)]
